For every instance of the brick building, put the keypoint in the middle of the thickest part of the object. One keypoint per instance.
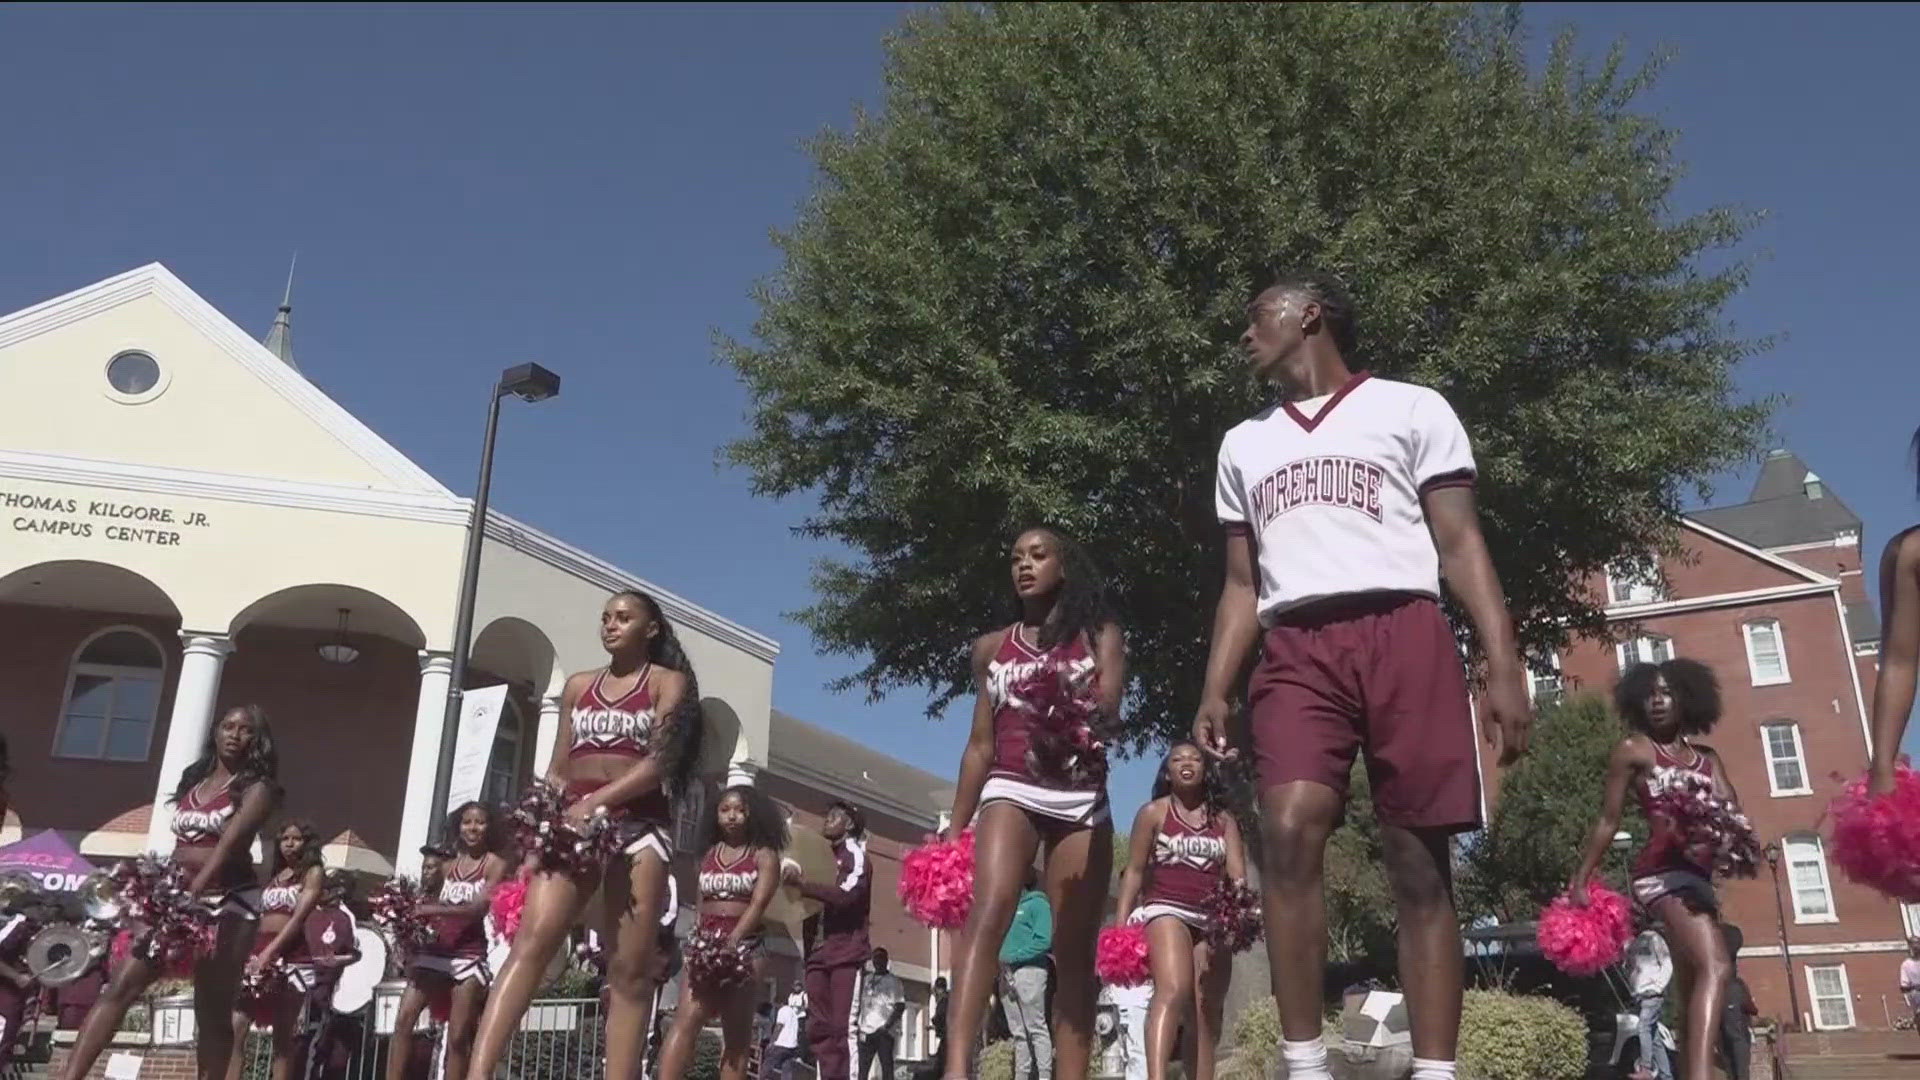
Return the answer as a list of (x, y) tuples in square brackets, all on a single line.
[(1770, 594)]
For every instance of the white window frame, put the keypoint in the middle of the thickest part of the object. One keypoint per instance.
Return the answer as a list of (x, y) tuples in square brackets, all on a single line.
[(1910, 919), (1542, 671), (116, 672), (1813, 841), (1753, 660), (1639, 590), (1799, 757), (1814, 997), (1643, 650)]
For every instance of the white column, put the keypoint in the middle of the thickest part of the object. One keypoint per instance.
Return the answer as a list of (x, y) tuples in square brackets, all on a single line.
[(429, 716), (548, 731), (202, 656)]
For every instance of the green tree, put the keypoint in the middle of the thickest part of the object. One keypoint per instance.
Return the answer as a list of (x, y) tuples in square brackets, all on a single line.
[(1544, 812), (1014, 293), (1360, 913)]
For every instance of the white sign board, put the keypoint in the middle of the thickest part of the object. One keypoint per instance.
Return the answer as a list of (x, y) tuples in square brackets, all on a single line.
[(123, 1066), (479, 721)]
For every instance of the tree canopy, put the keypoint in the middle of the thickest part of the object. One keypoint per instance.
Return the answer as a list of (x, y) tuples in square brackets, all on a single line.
[(1014, 293)]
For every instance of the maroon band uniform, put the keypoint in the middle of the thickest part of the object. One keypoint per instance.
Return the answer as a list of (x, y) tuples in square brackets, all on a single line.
[(837, 952)]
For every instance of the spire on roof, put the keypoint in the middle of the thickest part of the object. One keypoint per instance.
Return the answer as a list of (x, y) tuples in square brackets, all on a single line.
[(279, 339)]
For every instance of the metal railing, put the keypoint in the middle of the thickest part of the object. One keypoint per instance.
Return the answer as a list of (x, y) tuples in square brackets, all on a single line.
[(559, 1039)]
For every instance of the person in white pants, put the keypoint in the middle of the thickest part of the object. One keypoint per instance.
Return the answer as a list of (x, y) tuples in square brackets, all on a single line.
[(1131, 1002)]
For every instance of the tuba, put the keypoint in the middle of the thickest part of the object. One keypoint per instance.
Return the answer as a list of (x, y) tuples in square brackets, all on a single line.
[(63, 952), (18, 890), (98, 897)]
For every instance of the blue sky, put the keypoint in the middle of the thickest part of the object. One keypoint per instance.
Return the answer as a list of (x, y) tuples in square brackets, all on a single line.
[(592, 188)]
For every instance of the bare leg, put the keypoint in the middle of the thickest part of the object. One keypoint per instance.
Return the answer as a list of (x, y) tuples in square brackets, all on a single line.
[(1211, 974), (1004, 844), (286, 1032), (553, 906), (1170, 951), (469, 997), (237, 1061), (1701, 951), (1079, 868), (405, 1019), (215, 979), (104, 1018), (676, 1050), (736, 1028), (1296, 819), (1420, 870), (633, 918)]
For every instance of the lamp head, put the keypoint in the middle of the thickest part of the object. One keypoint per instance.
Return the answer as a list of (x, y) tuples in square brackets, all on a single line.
[(529, 382)]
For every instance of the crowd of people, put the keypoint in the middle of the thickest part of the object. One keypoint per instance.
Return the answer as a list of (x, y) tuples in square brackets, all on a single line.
[(1344, 506)]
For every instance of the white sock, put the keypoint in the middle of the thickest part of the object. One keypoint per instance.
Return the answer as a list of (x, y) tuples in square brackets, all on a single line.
[(1305, 1060), (1428, 1069)]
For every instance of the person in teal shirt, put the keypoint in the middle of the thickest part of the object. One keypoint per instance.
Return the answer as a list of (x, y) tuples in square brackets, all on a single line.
[(1023, 976)]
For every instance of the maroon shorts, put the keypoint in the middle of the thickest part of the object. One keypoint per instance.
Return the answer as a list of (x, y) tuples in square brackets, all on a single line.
[(1378, 674)]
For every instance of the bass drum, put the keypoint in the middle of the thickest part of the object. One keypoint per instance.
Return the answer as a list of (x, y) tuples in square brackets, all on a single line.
[(358, 979)]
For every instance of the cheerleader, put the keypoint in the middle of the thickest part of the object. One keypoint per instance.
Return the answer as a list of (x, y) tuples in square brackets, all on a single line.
[(1184, 844), (1664, 706), (295, 881), (629, 739), (738, 875), (221, 801), (1899, 648), (451, 973), (1038, 789)]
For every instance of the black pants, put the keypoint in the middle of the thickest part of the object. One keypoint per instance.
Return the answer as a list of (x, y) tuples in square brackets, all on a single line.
[(1736, 1043), (880, 1045)]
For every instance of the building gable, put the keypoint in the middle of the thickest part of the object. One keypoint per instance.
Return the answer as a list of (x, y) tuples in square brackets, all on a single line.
[(221, 403)]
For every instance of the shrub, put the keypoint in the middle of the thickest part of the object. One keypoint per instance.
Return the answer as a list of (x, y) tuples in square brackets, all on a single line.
[(706, 1058), (1253, 1041), (995, 1061), (1514, 1037)]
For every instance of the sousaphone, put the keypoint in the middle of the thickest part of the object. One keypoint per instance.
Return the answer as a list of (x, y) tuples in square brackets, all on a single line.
[(787, 914)]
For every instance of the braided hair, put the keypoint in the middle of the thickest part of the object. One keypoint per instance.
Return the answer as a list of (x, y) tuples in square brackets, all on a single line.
[(1081, 606), (1336, 307), (682, 734)]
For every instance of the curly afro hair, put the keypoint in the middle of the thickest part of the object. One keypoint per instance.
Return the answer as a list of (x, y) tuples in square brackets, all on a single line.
[(1695, 689)]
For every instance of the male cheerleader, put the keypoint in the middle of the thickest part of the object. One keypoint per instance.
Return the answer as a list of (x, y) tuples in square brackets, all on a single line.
[(838, 945), (1344, 506)]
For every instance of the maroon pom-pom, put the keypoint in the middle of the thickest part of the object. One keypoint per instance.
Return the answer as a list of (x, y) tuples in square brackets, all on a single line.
[(395, 908), (540, 825), (170, 927), (1065, 741), (713, 965), (1712, 832), (1233, 917)]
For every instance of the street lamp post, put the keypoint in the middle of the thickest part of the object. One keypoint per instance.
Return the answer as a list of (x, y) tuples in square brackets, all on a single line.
[(1786, 953), (528, 382)]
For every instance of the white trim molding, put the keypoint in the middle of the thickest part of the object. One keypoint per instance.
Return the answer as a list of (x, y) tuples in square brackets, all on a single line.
[(1853, 671), (157, 281), (1742, 546), (1719, 600), (1832, 948)]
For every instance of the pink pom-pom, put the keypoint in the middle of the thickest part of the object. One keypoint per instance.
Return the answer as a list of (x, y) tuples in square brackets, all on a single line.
[(121, 949), (1588, 940), (936, 882), (509, 901), (1120, 958), (1876, 838)]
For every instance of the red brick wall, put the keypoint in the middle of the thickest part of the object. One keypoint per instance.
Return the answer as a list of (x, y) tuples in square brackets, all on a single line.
[(158, 1063), (63, 793), (1821, 699)]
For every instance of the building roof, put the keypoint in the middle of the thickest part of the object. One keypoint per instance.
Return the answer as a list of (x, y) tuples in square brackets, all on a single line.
[(1789, 505), (279, 339), (1863, 625), (827, 759)]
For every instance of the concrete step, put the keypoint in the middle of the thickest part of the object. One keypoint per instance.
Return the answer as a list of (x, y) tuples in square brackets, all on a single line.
[(1853, 1067)]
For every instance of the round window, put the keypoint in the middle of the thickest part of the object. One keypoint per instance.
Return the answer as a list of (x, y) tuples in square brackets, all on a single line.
[(133, 373)]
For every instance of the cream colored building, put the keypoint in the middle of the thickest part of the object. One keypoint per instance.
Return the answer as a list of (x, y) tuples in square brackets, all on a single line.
[(187, 523)]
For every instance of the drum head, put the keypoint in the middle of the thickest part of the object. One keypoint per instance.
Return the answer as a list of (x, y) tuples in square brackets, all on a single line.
[(357, 981), (789, 911)]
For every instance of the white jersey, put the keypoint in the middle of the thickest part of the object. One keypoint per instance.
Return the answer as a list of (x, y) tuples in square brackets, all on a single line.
[(1330, 489)]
